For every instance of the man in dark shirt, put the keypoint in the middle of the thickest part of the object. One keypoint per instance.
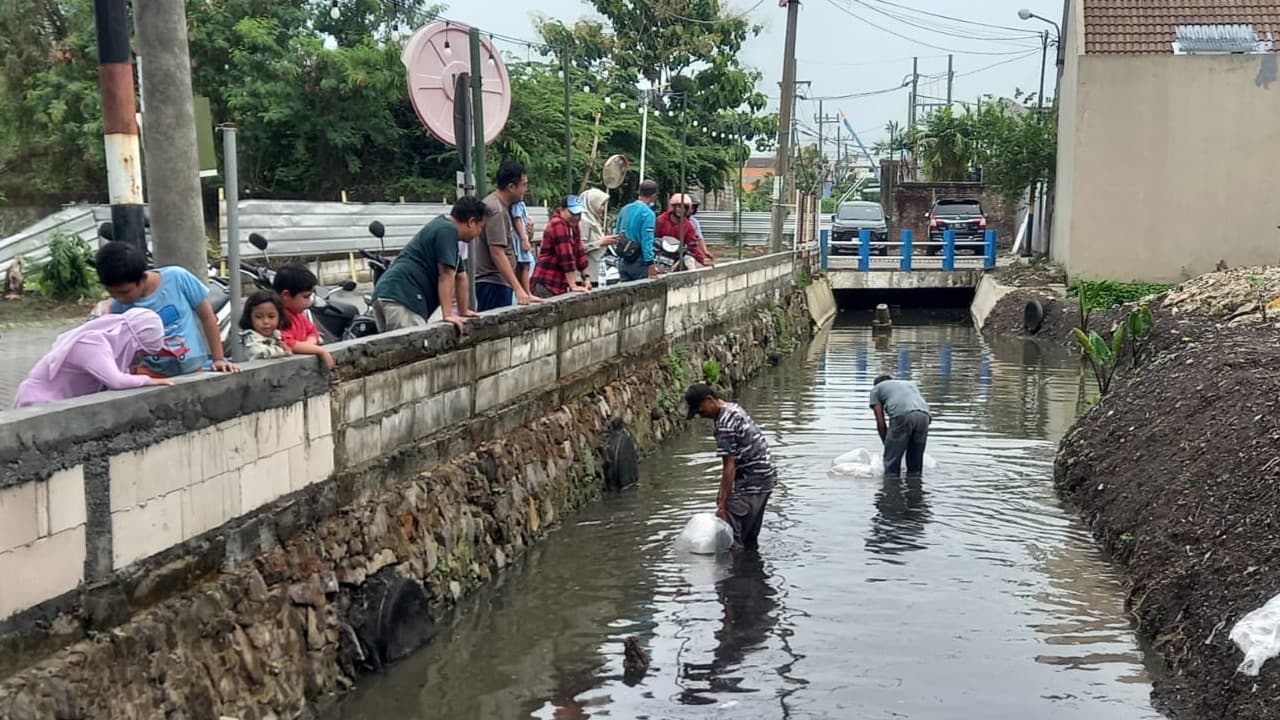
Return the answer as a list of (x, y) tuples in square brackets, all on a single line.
[(420, 282), (748, 471), (561, 255)]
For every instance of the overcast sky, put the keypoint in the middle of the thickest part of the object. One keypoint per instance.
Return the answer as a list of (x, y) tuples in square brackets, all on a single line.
[(842, 52)]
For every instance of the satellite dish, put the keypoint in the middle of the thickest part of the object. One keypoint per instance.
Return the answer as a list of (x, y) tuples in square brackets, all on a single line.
[(615, 171), (433, 58)]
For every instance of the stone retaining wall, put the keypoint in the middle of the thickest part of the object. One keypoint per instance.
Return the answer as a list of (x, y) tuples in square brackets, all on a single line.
[(124, 502)]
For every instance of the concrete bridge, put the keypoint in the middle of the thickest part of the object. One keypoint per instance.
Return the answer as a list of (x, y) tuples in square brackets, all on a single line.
[(901, 268)]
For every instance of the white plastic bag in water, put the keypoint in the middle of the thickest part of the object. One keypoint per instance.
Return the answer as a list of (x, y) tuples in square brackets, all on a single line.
[(705, 534), (1258, 636), (863, 463)]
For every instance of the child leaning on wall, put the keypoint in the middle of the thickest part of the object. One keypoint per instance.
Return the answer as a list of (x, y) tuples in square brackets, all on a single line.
[(192, 339), (296, 286), (264, 316)]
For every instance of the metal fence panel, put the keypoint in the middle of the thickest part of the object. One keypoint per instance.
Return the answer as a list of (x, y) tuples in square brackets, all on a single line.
[(32, 242)]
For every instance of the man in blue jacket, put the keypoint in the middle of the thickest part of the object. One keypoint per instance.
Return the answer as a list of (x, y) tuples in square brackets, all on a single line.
[(635, 228)]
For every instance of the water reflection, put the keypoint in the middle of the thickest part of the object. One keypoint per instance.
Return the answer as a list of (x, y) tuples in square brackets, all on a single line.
[(899, 526), (966, 593), (749, 615)]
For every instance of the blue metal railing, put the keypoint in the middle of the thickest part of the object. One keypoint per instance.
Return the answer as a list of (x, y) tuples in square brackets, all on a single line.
[(906, 249)]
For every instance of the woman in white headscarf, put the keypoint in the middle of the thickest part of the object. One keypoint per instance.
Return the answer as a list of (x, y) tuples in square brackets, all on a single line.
[(594, 236)]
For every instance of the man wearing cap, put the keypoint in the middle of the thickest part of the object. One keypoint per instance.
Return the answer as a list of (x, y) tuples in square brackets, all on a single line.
[(748, 472), (635, 227), (562, 255)]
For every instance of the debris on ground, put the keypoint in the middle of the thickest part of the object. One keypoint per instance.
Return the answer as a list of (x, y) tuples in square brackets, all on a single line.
[(1240, 296)]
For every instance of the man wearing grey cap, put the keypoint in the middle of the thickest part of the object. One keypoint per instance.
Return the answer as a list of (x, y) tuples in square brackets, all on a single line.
[(748, 471)]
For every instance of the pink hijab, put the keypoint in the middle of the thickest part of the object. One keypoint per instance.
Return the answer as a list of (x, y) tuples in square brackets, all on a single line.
[(121, 337)]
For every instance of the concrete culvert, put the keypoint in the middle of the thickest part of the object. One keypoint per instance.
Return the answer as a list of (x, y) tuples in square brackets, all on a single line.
[(391, 615), (621, 460)]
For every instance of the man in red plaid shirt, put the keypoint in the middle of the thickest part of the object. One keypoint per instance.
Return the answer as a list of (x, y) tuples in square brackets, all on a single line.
[(562, 256)]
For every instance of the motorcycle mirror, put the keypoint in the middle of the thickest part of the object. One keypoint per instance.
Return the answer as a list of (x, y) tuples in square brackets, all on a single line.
[(257, 241), (377, 229), (106, 231), (349, 285)]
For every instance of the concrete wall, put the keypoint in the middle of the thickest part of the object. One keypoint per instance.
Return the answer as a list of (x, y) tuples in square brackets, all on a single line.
[(100, 496), (1170, 167), (913, 200)]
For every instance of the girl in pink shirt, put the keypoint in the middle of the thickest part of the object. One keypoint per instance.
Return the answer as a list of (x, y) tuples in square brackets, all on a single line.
[(95, 356)]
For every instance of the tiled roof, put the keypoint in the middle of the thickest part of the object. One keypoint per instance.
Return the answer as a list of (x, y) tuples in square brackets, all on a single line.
[(761, 163), (1146, 27)]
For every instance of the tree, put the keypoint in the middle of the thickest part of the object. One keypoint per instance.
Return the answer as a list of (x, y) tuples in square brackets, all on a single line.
[(1016, 146), (945, 145)]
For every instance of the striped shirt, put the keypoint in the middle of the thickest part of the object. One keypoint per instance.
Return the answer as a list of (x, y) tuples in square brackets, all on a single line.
[(738, 437)]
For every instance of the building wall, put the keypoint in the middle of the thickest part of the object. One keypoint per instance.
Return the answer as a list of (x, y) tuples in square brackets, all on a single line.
[(1174, 165), (912, 202), (1068, 112)]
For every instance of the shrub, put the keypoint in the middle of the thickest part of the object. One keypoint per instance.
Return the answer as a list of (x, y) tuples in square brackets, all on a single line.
[(711, 371), (67, 274)]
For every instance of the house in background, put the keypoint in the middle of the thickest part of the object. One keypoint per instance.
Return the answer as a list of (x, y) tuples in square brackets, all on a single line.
[(754, 169), (1168, 138)]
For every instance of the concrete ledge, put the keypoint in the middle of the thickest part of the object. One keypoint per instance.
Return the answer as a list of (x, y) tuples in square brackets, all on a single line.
[(900, 280), (989, 292)]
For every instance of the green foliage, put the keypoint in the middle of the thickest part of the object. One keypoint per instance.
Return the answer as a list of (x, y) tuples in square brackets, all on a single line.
[(802, 279), (711, 371), (1106, 294), (1103, 356), (678, 366), (760, 197), (67, 275), (1014, 143)]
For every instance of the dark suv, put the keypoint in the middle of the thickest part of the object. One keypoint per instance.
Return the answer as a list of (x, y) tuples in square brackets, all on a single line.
[(965, 217), (850, 219)]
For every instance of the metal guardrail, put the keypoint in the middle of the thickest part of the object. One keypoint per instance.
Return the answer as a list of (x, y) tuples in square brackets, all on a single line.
[(32, 242), (905, 258)]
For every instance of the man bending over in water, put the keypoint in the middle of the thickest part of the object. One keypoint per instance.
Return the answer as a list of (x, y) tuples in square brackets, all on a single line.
[(749, 474), (907, 429)]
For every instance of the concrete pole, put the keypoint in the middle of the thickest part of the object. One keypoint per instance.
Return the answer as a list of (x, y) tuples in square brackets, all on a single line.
[(782, 165), (644, 131), (120, 123), (478, 163), (568, 126), (173, 162), (232, 183)]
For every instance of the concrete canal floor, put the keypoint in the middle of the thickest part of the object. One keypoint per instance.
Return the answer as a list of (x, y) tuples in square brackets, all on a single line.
[(971, 594)]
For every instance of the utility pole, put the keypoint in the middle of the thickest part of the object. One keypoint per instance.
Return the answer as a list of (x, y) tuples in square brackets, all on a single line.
[(822, 119), (568, 129), (782, 164), (120, 123), (951, 77), (169, 120), (911, 119)]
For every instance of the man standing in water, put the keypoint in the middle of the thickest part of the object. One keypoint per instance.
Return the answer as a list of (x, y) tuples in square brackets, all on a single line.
[(906, 429), (749, 473)]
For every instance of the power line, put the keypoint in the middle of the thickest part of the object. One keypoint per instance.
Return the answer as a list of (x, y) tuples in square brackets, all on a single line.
[(948, 17), (1023, 56), (881, 28), (933, 27), (737, 16)]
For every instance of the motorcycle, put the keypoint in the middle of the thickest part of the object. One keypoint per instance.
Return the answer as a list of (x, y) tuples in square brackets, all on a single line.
[(331, 315), (219, 287), (608, 273), (669, 255), (365, 325)]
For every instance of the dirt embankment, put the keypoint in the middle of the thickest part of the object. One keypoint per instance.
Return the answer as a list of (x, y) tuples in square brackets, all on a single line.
[(1177, 471)]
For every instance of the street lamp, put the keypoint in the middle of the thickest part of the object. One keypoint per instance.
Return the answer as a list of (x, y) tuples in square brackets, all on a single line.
[(1026, 14)]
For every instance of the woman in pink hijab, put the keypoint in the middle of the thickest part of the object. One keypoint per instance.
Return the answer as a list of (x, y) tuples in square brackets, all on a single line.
[(94, 356)]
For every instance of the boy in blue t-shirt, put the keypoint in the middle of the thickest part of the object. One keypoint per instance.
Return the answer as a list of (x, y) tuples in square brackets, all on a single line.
[(522, 241), (192, 339)]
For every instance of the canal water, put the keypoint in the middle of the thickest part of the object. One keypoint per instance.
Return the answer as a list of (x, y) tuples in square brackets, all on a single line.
[(969, 594)]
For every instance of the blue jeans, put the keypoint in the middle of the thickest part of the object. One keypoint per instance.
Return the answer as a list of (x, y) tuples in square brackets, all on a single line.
[(637, 270), (907, 437), (491, 296)]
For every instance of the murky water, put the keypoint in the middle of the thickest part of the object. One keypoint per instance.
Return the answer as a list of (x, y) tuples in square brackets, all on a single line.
[(971, 594)]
